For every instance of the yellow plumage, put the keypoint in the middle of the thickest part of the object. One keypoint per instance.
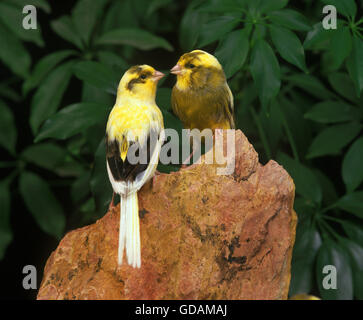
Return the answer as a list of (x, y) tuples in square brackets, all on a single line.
[(201, 97), (134, 126)]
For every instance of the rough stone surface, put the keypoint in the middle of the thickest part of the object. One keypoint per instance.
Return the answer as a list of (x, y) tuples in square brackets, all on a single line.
[(203, 236)]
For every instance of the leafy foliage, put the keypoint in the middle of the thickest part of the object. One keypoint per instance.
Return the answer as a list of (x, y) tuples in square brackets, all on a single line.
[(298, 97)]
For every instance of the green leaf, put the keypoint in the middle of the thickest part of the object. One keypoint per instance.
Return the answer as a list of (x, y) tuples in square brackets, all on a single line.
[(42, 4), (98, 75), (6, 235), (305, 180), (49, 94), (42, 204), (265, 6), (70, 169), (156, 5), (119, 14), (9, 93), (100, 185), (293, 119), (353, 231), (73, 119), (92, 136), (12, 17), (113, 60), (330, 194), (290, 19), (259, 32), (163, 98), (340, 47), (289, 46), (305, 210), (221, 7), (332, 139), (65, 28), (356, 257), (355, 64), (92, 94), (352, 169), (265, 71), (318, 37), (331, 253), (232, 51), (332, 112), (43, 67), (343, 85), (311, 85), (307, 244), (139, 11), (271, 124), (353, 203), (85, 15), (137, 38), (81, 187), (45, 155), (190, 27), (8, 133), (13, 54), (347, 8), (217, 28)]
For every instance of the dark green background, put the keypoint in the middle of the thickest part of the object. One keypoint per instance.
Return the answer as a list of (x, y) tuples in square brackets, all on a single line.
[(297, 90)]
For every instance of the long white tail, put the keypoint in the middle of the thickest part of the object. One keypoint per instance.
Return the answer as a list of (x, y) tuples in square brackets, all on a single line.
[(129, 233)]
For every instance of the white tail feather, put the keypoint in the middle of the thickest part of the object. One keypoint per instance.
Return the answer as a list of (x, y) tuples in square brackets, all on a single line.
[(129, 234)]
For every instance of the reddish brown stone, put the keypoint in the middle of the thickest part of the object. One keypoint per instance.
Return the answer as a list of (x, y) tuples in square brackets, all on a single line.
[(203, 236)]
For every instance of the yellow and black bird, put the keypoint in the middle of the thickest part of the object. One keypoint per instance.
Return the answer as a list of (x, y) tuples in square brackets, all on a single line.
[(134, 136), (201, 97)]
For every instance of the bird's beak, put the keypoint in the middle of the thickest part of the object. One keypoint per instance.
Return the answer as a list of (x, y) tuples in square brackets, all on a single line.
[(176, 69), (157, 75)]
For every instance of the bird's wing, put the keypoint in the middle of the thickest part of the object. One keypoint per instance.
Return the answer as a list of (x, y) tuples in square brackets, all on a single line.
[(230, 107), (204, 108), (220, 105), (132, 159)]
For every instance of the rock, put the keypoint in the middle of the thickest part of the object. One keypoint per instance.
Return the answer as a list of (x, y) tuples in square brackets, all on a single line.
[(203, 236)]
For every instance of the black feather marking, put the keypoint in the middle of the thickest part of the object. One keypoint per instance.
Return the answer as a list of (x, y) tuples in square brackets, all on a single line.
[(231, 115), (139, 79), (192, 55), (126, 171), (132, 82), (135, 69)]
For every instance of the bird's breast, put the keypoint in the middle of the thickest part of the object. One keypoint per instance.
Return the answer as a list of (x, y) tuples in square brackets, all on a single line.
[(133, 122), (197, 109)]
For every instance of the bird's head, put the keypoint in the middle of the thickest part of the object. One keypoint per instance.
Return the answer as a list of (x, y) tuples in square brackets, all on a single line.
[(140, 82), (198, 69)]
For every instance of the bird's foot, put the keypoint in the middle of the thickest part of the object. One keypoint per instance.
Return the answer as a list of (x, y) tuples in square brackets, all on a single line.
[(112, 204)]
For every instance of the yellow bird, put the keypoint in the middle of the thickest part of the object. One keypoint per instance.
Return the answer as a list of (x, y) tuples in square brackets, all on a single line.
[(134, 136), (201, 97)]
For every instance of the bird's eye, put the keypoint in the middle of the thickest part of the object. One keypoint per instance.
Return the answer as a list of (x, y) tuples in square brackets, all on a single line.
[(191, 65), (143, 76)]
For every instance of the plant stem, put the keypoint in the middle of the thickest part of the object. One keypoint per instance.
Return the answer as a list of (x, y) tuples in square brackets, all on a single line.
[(261, 132), (12, 175), (330, 229), (333, 219), (332, 206), (289, 135), (253, 22)]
